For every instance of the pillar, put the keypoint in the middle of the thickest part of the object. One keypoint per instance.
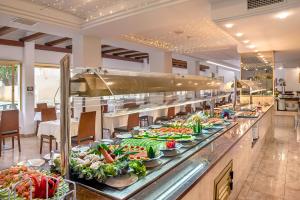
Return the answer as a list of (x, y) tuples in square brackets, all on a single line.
[(28, 104), (160, 61), (86, 51)]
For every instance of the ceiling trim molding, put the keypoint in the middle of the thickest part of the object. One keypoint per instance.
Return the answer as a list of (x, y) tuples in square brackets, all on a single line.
[(37, 13), (128, 13)]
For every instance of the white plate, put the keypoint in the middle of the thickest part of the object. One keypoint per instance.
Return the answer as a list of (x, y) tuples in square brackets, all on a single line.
[(47, 156), (122, 180), (124, 136), (36, 162)]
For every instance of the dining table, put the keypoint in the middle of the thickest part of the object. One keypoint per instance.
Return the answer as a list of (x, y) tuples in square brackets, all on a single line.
[(53, 128)]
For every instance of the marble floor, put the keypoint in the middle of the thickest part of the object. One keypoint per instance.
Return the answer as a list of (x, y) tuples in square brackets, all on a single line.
[(30, 148), (276, 175)]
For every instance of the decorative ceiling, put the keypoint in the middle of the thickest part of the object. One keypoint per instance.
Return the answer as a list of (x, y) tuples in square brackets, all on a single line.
[(188, 37), (92, 9)]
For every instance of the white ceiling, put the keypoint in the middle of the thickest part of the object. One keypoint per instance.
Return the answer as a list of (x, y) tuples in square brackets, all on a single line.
[(93, 9)]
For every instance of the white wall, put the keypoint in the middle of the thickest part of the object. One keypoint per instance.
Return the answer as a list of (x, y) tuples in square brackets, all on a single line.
[(291, 77)]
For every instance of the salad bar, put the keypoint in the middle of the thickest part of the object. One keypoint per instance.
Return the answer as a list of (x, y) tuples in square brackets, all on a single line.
[(22, 183), (118, 169)]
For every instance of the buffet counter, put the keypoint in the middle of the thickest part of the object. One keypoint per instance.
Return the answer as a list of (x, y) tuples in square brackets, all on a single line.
[(198, 172)]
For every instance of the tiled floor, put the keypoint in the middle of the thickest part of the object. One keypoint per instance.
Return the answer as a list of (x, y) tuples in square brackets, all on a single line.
[(276, 175), (30, 148)]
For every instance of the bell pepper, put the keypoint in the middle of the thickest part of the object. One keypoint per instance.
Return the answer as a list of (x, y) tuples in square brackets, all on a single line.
[(171, 144), (36, 187), (43, 186), (52, 185)]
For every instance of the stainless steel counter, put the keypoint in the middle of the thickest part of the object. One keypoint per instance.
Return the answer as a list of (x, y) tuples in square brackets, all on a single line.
[(170, 182)]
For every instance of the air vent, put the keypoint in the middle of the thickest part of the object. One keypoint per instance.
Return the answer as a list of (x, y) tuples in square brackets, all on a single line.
[(24, 21), (252, 4)]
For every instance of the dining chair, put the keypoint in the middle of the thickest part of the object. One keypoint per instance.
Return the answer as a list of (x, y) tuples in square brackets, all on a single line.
[(9, 127), (39, 108), (48, 114), (132, 121), (86, 129)]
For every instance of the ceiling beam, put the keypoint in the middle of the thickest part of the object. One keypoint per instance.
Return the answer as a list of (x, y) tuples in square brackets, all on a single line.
[(105, 46), (58, 41), (11, 43), (69, 47), (120, 58), (141, 57), (136, 55), (32, 37), (51, 48), (124, 53), (113, 50), (5, 30)]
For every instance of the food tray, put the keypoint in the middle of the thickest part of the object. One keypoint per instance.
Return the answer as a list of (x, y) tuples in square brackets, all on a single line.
[(60, 193)]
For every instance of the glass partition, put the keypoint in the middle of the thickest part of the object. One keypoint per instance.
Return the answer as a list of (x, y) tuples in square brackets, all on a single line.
[(258, 67)]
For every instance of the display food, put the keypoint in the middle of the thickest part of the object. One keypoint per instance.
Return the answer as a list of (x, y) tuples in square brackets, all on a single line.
[(24, 180), (248, 114), (104, 161)]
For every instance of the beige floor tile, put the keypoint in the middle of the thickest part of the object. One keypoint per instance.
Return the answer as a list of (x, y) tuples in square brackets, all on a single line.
[(268, 185), (291, 193), (253, 195)]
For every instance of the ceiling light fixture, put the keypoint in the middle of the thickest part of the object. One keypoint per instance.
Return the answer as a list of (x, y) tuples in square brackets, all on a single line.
[(282, 15), (280, 68), (229, 25), (246, 41), (224, 66), (252, 46), (256, 51), (239, 34)]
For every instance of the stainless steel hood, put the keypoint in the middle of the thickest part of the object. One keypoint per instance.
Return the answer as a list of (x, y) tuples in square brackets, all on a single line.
[(97, 82)]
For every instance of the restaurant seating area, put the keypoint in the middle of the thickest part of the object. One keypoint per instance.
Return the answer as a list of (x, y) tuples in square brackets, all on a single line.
[(149, 100)]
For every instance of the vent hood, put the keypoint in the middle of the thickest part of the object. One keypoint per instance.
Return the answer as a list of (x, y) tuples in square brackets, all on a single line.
[(97, 82)]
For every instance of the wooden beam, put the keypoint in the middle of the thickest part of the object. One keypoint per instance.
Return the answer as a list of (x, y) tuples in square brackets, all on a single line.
[(179, 63), (120, 58), (69, 47), (105, 46), (58, 41), (203, 68), (32, 37), (51, 48), (113, 50), (5, 30), (141, 57), (11, 43), (124, 53), (136, 55)]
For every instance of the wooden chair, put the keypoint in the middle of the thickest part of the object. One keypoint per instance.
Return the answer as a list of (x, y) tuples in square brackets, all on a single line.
[(48, 114), (146, 121), (39, 108), (9, 127), (171, 113), (133, 121), (86, 129)]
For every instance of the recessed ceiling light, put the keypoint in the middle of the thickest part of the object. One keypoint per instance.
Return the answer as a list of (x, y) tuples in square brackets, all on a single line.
[(252, 46), (282, 15), (261, 56), (246, 41), (256, 50), (239, 34), (280, 68), (229, 25)]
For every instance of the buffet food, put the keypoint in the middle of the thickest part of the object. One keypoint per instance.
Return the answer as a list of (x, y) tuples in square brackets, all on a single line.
[(104, 161), (248, 114), (23, 180)]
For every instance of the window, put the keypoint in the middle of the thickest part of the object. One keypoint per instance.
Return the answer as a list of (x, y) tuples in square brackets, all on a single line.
[(9, 85), (47, 81)]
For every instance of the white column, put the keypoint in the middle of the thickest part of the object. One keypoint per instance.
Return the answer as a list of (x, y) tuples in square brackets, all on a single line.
[(192, 67), (87, 54), (160, 61), (86, 51), (27, 110)]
